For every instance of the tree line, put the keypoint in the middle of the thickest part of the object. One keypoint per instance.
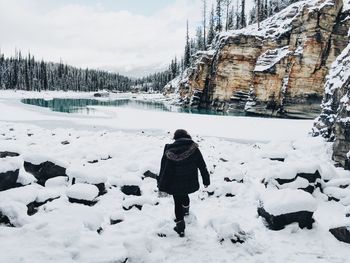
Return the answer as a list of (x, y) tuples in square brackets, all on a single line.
[(227, 15), (27, 73)]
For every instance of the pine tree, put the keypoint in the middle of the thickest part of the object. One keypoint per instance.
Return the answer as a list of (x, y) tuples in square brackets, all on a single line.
[(187, 55), (204, 24), (243, 19), (211, 31), (231, 19), (228, 4), (218, 26), (238, 17), (199, 39)]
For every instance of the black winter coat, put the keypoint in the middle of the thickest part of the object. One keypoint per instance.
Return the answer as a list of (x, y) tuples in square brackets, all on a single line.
[(179, 168)]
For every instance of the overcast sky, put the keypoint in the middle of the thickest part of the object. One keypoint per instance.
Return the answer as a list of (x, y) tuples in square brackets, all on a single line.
[(133, 37)]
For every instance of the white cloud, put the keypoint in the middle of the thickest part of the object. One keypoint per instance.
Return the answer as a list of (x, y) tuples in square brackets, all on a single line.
[(91, 36), (95, 37)]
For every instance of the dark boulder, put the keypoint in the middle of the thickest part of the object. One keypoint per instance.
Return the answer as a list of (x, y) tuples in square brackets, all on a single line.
[(303, 218), (115, 221), (4, 220), (278, 159), (131, 190), (8, 180), (341, 233), (8, 154), (149, 174), (44, 171), (33, 206), (83, 202), (229, 180), (101, 189), (311, 177), (127, 208)]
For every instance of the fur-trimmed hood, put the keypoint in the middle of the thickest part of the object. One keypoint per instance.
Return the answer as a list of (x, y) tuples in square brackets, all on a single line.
[(181, 149)]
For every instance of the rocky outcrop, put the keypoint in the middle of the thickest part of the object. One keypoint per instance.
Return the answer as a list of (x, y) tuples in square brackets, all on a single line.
[(334, 121), (280, 67)]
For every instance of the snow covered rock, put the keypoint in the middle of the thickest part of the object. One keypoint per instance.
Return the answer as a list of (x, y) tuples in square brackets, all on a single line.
[(13, 213), (8, 180), (44, 196), (341, 233), (138, 202), (58, 181), (89, 175), (337, 194), (283, 207), (149, 174), (295, 176), (44, 170), (9, 171), (82, 194), (116, 218), (231, 232)]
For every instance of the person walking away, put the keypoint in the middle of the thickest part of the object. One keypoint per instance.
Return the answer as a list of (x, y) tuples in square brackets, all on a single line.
[(178, 174)]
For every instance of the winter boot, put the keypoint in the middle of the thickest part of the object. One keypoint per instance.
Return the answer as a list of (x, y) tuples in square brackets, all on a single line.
[(180, 228), (186, 210)]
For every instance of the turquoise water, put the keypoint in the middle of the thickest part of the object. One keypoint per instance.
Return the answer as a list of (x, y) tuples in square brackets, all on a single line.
[(81, 106)]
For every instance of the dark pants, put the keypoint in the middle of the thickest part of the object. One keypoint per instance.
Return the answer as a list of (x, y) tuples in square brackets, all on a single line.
[(180, 201)]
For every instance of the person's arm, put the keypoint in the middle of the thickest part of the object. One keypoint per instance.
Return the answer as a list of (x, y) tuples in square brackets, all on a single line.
[(162, 164), (202, 168)]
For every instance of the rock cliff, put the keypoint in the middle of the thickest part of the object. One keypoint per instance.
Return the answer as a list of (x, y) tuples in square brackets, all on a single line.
[(277, 68), (334, 121)]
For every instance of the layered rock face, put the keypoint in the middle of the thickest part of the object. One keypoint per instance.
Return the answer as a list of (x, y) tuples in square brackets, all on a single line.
[(334, 121), (274, 68)]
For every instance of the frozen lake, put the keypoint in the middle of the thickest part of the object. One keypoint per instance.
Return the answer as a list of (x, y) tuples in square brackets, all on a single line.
[(86, 106)]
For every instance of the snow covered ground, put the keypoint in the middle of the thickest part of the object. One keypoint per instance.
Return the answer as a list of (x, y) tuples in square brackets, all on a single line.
[(116, 146)]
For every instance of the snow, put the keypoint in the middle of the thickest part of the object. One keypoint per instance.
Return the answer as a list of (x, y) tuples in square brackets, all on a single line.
[(234, 147), (10, 164), (79, 191), (271, 58), (346, 5), (24, 195), (56, 182), (15, 211), (289, 201)]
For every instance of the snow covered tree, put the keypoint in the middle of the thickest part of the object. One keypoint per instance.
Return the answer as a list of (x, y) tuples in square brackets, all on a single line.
[(204, 24), (187, 55), (218, 26), (199, 39), (243, 18), (26, 73), (229, 19), (211, 30)]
